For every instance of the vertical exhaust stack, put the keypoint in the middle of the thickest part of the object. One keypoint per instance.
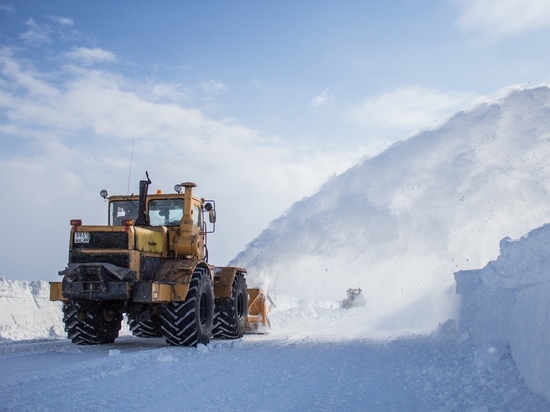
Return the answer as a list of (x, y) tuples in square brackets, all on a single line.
[(189, 241), (143, 219)]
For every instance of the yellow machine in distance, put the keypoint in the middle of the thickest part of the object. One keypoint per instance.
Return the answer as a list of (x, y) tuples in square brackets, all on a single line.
[(151, 262)]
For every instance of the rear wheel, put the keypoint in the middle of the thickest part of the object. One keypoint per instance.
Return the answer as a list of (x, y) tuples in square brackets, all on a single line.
[(189, 323), (145, 325), (90, 324), (232, 313)]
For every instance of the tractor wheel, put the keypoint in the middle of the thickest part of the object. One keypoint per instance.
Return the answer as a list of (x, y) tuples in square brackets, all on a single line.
[(145, 326), (189, 323), (232, 313), (91, 324)]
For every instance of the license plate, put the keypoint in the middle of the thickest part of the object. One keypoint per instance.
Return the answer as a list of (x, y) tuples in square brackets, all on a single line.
[(82, 237)]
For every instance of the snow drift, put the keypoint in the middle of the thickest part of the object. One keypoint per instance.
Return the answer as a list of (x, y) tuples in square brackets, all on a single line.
[(508, 303), (26, 311), (399, 224)]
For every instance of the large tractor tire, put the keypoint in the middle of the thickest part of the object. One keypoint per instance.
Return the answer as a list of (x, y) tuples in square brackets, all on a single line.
[(189, 323), (91, 324), (231, 313), (145, 326)]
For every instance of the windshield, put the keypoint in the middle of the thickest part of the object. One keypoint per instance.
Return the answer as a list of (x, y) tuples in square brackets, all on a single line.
[(165, 212), (122, 210)]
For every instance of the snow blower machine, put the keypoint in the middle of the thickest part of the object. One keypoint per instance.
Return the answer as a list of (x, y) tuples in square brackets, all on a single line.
[(355, 299), (151, 263)]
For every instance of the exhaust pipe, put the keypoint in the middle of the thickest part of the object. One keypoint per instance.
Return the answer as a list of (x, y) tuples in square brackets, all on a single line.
[(142, 218)]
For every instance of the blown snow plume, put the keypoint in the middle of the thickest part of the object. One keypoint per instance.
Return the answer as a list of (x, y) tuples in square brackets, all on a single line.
[(399, 224)]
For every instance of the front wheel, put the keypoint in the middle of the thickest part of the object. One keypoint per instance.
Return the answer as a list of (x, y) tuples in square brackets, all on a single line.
[(189, 323), (91, 324)]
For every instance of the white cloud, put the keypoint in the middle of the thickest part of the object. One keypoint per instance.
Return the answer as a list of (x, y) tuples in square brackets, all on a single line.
[(79, 133), (212, 88), (63, 21), (7, 8), (321, 99), (410, 108), (90, 56), (36, 34), (258, 85), (501, 18), (167, 92), (28, 79)]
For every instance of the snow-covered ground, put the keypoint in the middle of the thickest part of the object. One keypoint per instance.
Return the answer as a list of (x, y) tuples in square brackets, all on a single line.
[(317, 357), (262, 373)]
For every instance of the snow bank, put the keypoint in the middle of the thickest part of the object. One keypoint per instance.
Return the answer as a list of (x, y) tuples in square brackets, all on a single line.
[(399, 224), (508, 302), (26, 311)]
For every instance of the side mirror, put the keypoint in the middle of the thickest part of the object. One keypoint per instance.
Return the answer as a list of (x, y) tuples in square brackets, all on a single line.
[(212, 215)]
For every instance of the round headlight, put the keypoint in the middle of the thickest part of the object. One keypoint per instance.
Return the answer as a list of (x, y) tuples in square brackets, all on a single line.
[(177, 188), (103, 193)]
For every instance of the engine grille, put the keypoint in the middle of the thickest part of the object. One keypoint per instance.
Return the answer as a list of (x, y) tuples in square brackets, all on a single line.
[(117, 259)]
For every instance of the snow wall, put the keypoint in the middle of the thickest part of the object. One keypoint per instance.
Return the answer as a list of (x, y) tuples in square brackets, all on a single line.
[(508, 302), (26, 311)]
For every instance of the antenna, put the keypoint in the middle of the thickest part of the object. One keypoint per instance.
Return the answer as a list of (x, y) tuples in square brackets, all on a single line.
[(130, 171)]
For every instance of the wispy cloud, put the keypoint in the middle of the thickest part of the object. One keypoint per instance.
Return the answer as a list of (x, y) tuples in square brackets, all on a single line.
[(322, 99), (48, 30), (410, 108), (172, 92), (7, 8), (500, 18), (22, 78), (36, 34), (90, 56), (212, 88), (62, 21), (258, 85)]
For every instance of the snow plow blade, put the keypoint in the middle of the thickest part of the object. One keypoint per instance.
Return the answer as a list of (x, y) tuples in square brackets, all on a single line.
[(258, 310)]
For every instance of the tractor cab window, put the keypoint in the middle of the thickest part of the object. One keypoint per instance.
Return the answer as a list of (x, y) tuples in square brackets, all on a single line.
[(196, 215), (165, 212), (122, 210)]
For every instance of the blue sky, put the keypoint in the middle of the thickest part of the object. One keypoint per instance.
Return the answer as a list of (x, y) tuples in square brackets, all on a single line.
[(259, 102)]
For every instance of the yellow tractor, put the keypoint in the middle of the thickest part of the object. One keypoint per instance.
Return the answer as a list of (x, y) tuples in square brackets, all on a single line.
[(151, 262)]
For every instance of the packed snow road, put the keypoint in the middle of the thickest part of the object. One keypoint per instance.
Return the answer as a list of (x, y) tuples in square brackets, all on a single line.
[(273, 372)]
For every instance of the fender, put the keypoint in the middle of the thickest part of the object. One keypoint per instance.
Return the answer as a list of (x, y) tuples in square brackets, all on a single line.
[(223, 280)]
